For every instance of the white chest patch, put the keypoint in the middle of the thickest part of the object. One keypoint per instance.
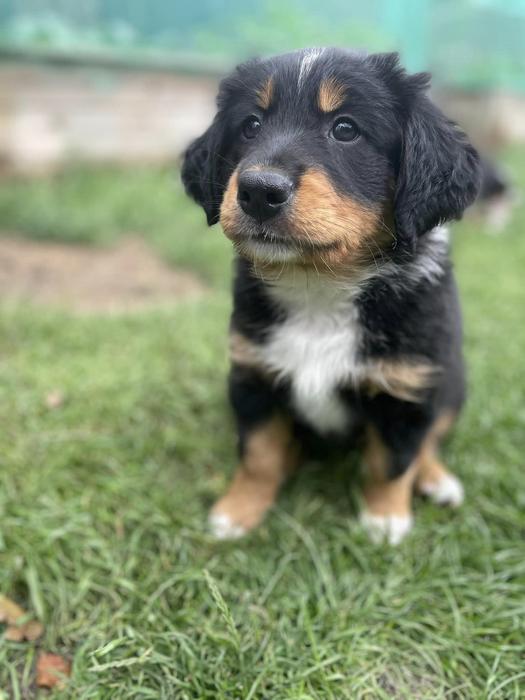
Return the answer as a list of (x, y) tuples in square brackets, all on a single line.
[(315, 349)]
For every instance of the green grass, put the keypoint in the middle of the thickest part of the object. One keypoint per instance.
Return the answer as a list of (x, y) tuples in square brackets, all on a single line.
[(103, 501), (99, 205)]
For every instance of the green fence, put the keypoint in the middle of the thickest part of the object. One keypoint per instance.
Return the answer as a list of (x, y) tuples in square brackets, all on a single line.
[(468, 43)]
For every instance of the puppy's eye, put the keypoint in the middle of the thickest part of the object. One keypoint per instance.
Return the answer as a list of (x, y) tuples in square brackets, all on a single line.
[(344, 129), (251, 127)]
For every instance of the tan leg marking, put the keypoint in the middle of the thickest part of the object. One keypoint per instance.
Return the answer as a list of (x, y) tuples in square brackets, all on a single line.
[(388, 502), (388, 513), (270, 455), (433, 479), (243, 351)]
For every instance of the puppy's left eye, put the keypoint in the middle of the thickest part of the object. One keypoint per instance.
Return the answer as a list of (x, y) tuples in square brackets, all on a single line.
[(251, 127), (344, 129)]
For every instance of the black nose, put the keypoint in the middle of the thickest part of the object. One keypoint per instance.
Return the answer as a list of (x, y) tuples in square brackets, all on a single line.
[(262, 193)]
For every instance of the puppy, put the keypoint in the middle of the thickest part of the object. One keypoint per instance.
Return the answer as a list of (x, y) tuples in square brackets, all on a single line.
[(332, 174)]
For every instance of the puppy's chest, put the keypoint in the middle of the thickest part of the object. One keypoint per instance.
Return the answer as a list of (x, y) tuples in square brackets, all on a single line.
[(315, 349)]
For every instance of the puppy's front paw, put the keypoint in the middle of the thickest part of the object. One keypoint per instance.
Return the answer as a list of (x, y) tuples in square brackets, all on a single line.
[(447, 490), (390, 528), (223, 527), (240, 510)]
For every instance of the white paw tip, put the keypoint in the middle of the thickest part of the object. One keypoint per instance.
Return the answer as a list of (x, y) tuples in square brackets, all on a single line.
[(447, 491), (223, 528), (392, 528)]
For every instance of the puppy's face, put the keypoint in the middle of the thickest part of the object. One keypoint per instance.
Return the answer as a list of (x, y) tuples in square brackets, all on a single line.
[(312, 177), (307, 160)]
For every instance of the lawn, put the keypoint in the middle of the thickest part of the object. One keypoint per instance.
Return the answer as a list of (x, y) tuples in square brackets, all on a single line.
[(103, 499)]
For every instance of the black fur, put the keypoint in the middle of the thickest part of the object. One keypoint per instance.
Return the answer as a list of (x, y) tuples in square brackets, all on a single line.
[(205, 171), (438, 176), (410, 156)]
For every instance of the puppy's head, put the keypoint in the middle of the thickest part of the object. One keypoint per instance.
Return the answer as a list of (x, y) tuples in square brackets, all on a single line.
[(325, 155)]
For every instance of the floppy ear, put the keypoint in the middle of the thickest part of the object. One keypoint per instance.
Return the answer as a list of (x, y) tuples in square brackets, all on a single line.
[(204, 171), (439, 174)]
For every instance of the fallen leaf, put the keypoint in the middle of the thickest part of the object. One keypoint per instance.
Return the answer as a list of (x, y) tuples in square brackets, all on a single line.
[(52, 670), (14, 634), (10, 612), (54, 399), (33, 630), (18, 629)]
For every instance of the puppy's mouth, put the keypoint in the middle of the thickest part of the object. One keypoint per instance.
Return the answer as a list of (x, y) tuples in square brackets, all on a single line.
[(273, 243), (309, 224)]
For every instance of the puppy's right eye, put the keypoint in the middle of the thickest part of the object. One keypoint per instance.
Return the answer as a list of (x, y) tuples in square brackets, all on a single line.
[(345, 129), (251, 127)]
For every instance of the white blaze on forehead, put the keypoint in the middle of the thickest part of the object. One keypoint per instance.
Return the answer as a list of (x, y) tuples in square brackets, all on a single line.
[(310, 56)]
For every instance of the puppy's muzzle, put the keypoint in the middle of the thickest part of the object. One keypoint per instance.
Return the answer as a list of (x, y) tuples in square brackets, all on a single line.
[(262, 194)]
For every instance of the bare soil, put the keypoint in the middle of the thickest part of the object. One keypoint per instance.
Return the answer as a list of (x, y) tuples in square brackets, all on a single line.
[(83, 279)]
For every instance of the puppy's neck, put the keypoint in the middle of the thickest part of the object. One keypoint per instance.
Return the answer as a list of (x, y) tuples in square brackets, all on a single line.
[(303, 289), (299, 287)]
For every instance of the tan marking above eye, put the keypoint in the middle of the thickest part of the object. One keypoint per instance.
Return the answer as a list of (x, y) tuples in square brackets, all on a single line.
[(331, 95), (265, 94)]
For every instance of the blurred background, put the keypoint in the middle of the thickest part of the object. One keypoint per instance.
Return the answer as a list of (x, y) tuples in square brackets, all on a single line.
[(98, 98), (132, 81)]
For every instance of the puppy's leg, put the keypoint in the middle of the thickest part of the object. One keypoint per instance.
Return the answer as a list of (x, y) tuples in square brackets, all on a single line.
[(433, 478), (268, 453), (388, 500), (394, 439)]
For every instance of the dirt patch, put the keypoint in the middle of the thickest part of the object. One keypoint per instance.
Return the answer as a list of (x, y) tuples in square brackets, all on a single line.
[(126, 277)]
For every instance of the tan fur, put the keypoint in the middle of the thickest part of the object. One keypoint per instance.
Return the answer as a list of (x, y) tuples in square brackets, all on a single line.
[(402, 379), (443, 424), (265, 94), (230, 210), (325, 217), (430, 469), (384, 496), (243, 351), (336, 232), (270, 455), (331, 95)]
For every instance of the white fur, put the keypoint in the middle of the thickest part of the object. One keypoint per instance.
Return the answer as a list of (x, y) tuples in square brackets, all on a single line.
[(223, 528), (392, 528), (268, 252), (316, 347), (447, 491), (310, 56), (428, 263)]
